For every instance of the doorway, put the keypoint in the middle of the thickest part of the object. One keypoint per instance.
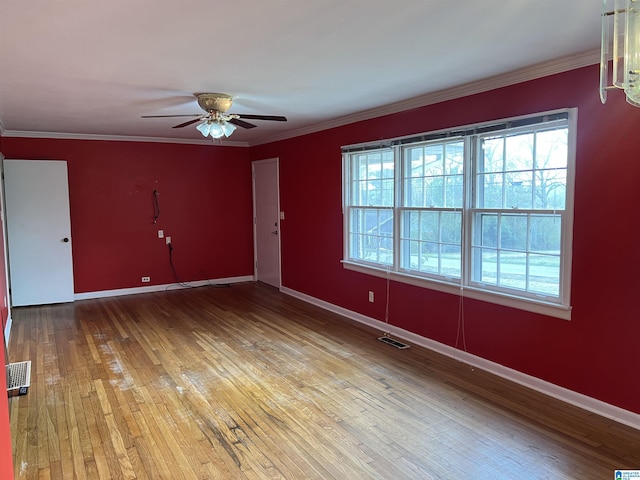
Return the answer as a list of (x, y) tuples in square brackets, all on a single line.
[(266, 224)]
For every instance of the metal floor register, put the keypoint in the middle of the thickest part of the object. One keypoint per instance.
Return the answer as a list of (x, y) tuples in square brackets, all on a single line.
[(18, 377)]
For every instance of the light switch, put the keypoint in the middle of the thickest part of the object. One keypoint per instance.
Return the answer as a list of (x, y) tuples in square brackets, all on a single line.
[(160, 233)]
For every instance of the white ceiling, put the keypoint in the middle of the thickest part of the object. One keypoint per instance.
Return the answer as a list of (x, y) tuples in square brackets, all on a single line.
[(87, 67)]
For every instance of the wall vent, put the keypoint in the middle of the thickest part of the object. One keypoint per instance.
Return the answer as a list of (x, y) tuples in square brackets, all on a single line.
[(18, 377), (394, 343)]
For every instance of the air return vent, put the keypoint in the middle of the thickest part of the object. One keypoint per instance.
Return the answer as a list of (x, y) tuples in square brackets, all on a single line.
[(18, 377), (394, 343)]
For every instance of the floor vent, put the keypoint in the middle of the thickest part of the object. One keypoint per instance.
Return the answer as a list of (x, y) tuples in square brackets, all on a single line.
[(18, 377), (392, 342)]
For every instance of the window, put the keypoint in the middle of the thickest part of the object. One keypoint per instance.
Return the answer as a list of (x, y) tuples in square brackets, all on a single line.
[(484, 208)]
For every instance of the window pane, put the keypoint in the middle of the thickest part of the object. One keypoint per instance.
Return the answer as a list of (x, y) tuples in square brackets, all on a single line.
[(544, 274), (373, 183), (519, 189), (490, 191), (545, 234), (513, 232), (489, 229), (451, 228), (433, 190), (433, 160), (492, 158), (429, 226), (454, 158), (429, 257), (519, 152), (451, 260), (551, 189), (487, 272), (513, 270), (454, 191), (415, 156), (552, 148)]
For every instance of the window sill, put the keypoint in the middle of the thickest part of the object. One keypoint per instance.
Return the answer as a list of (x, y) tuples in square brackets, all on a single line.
[(520, 303)]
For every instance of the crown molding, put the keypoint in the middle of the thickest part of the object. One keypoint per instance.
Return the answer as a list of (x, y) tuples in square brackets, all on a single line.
[(118, 138), (533, 72)]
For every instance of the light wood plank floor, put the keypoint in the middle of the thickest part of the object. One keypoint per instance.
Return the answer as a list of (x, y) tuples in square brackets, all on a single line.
[(247, 383)]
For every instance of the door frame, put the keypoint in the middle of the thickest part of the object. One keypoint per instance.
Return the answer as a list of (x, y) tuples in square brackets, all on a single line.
[(275, 160), (5, 247)]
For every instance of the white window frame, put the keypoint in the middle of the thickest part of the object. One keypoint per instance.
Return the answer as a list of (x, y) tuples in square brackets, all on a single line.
[(559, 307)]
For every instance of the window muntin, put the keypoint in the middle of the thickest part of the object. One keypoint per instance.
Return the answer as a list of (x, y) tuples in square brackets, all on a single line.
[(481, 207)]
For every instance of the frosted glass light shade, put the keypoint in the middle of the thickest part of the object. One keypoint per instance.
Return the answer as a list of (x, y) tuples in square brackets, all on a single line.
[(204, 128), (216, 130), (228, 128)]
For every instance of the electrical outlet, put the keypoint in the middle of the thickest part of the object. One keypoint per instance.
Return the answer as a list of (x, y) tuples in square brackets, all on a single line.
[(370, 296), (168, 240), (146, 279), (160, 233)]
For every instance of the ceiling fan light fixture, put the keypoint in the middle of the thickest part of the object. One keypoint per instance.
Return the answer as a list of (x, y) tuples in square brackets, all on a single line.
[(216, 122)]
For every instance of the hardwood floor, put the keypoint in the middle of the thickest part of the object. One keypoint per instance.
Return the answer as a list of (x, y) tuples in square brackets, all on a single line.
[(247, 383)]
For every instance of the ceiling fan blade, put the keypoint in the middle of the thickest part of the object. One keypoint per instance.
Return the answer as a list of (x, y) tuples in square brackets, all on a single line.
[(190, 122), (171, 116), (242, 123), (275, 118)]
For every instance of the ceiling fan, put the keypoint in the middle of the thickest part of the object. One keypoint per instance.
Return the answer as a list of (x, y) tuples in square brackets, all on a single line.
[(216, 121)]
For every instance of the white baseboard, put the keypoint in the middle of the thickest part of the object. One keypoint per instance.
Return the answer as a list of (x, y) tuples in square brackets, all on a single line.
[(160, 288), (569, 396), (7, 331)]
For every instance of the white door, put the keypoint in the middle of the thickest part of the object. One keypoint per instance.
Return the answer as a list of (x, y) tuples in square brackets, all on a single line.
[(39, 231), (266, 212)]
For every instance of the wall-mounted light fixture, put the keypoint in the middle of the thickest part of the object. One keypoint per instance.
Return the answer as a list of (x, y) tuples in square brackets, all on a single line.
[(621, 49)]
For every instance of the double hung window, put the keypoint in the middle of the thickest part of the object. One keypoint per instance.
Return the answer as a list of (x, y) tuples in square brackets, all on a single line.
[(486, 208)]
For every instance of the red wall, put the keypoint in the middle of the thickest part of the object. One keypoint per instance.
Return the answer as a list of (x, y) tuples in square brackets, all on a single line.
[(596, 352), (205, 204)]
